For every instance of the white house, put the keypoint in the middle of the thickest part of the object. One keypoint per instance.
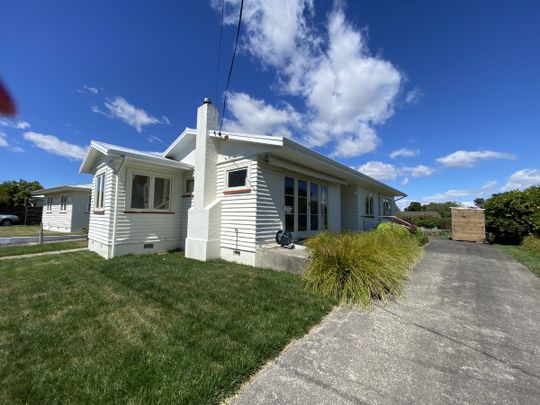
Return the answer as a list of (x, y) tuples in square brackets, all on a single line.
[(66, 208), (223, 195)]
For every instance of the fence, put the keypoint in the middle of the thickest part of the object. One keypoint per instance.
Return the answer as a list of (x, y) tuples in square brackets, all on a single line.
[(27, 215)]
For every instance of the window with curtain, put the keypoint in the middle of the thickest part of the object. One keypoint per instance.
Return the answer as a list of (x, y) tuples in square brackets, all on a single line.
[(162, 193), (140, 191), (387, 206)]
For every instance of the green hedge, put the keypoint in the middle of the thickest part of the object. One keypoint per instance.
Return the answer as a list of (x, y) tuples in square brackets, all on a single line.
[(361, 267)]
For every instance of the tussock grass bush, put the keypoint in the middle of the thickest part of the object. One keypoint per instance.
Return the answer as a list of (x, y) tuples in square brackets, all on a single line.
[(420, 236), (361, 267), (532, 244)]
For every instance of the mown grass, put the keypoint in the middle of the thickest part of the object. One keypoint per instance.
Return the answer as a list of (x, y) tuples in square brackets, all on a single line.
[(527, 253), (147, 329), (361, 267), (46, 247), (25, 230)]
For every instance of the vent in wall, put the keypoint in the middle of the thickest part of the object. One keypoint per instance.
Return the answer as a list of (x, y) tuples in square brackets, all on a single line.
[(148, 245)]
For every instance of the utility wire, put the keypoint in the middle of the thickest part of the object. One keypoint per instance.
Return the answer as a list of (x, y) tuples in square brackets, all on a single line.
[(232, 65), (219, 48)]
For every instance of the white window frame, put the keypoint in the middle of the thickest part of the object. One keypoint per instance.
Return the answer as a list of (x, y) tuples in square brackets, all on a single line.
[(63, 203), (89, 203), (185, 192), (246, 185), (321, 218), (370, 204), (99, 203), (152, 177), (384, 201), (49, 205)]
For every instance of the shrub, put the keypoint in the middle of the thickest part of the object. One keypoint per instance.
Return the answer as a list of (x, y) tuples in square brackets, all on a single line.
[(392, 227), (420, 236), (360, 267), (428, 221), (532, 244), (512, 215)]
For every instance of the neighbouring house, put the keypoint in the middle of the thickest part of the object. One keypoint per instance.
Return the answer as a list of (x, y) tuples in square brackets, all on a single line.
[(223, 195), (413, 214), (65, 208)]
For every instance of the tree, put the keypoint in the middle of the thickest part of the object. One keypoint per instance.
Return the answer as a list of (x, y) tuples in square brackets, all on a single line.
[(414, 206), (479, 202), (442, 208), (14, 193)]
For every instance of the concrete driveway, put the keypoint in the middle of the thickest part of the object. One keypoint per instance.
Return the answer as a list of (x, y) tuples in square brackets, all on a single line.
[(468, 331)]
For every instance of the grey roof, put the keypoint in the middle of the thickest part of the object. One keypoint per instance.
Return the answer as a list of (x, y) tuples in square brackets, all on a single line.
[(63, 188)]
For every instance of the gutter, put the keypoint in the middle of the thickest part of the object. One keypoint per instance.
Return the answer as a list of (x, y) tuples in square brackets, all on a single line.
[(115, 215)]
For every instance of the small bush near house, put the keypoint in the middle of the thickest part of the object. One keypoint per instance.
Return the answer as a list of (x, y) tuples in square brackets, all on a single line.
[(361, 267), (390, 226), (420, 236)]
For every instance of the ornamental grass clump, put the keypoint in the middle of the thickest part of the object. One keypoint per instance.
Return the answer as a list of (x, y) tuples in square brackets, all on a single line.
[(361, 267), (532, 244)]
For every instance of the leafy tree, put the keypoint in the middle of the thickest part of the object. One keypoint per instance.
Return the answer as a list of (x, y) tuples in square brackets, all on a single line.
[(513, 215), (414, 206), (14, 193), (442, 208), (479, 202)]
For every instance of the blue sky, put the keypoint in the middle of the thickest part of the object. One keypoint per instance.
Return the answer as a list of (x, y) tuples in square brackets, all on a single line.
[(452, 88)]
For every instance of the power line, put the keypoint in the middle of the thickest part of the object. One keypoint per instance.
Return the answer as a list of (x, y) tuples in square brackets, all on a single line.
[(219, 48), (232, 65)]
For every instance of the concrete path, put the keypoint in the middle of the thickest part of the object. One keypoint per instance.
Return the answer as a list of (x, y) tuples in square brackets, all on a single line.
[(468, 331), (26, 240), (53, 252)]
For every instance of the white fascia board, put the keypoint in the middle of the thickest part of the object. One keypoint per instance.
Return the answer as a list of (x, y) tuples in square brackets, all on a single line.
[(260, 139), (182, 136)]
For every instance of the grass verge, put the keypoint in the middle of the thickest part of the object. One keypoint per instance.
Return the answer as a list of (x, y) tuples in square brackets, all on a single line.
[(361, 267), (75, 328), (25, 230), (46, 247), (528, 258)]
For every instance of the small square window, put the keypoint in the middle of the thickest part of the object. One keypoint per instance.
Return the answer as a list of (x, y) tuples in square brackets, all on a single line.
[(190, 186), (237, 178)]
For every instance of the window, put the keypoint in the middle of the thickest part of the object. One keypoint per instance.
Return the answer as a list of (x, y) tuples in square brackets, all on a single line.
[(89, 202), (140, 192), (63, 202), (289, 204), (236, 178), (387, 206), (306, 206), (324, 207), (190, 186), (100, 191), (150, 193), (162, 193), (314, 206), (369, 204), (49, 203)]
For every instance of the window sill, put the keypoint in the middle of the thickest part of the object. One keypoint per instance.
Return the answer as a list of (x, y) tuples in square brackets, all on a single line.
[(98, 212), (237, 191), (149, 212)]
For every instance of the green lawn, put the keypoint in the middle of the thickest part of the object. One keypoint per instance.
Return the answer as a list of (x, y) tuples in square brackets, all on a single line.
[(524, 256), (76, 328), (25, 230), (46, 247)]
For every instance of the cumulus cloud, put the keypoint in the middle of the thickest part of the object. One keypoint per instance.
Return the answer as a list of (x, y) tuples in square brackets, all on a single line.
[(404, 152), (379, 170), (414, 96), (14, 124), (405, 181), (419, 171), (522, 179), (121, 109), (450, 195), (463, 158), (346, 90), (258, 116), (56, 146)]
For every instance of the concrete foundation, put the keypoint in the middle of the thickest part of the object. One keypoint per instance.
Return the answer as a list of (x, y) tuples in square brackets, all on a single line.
[(277, 258)]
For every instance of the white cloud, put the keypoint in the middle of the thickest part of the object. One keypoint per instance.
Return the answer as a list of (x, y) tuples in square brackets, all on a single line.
[(52, 144), (138, 118), (3, 140), (450, 195), (405, 181), (463, 158), (255, 115), (404, 152), (414, 96), (155, 139), (14, 124), (522, 179), (346, 89), (89, 89), (379, 170), (419, 171), (17, 149)]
